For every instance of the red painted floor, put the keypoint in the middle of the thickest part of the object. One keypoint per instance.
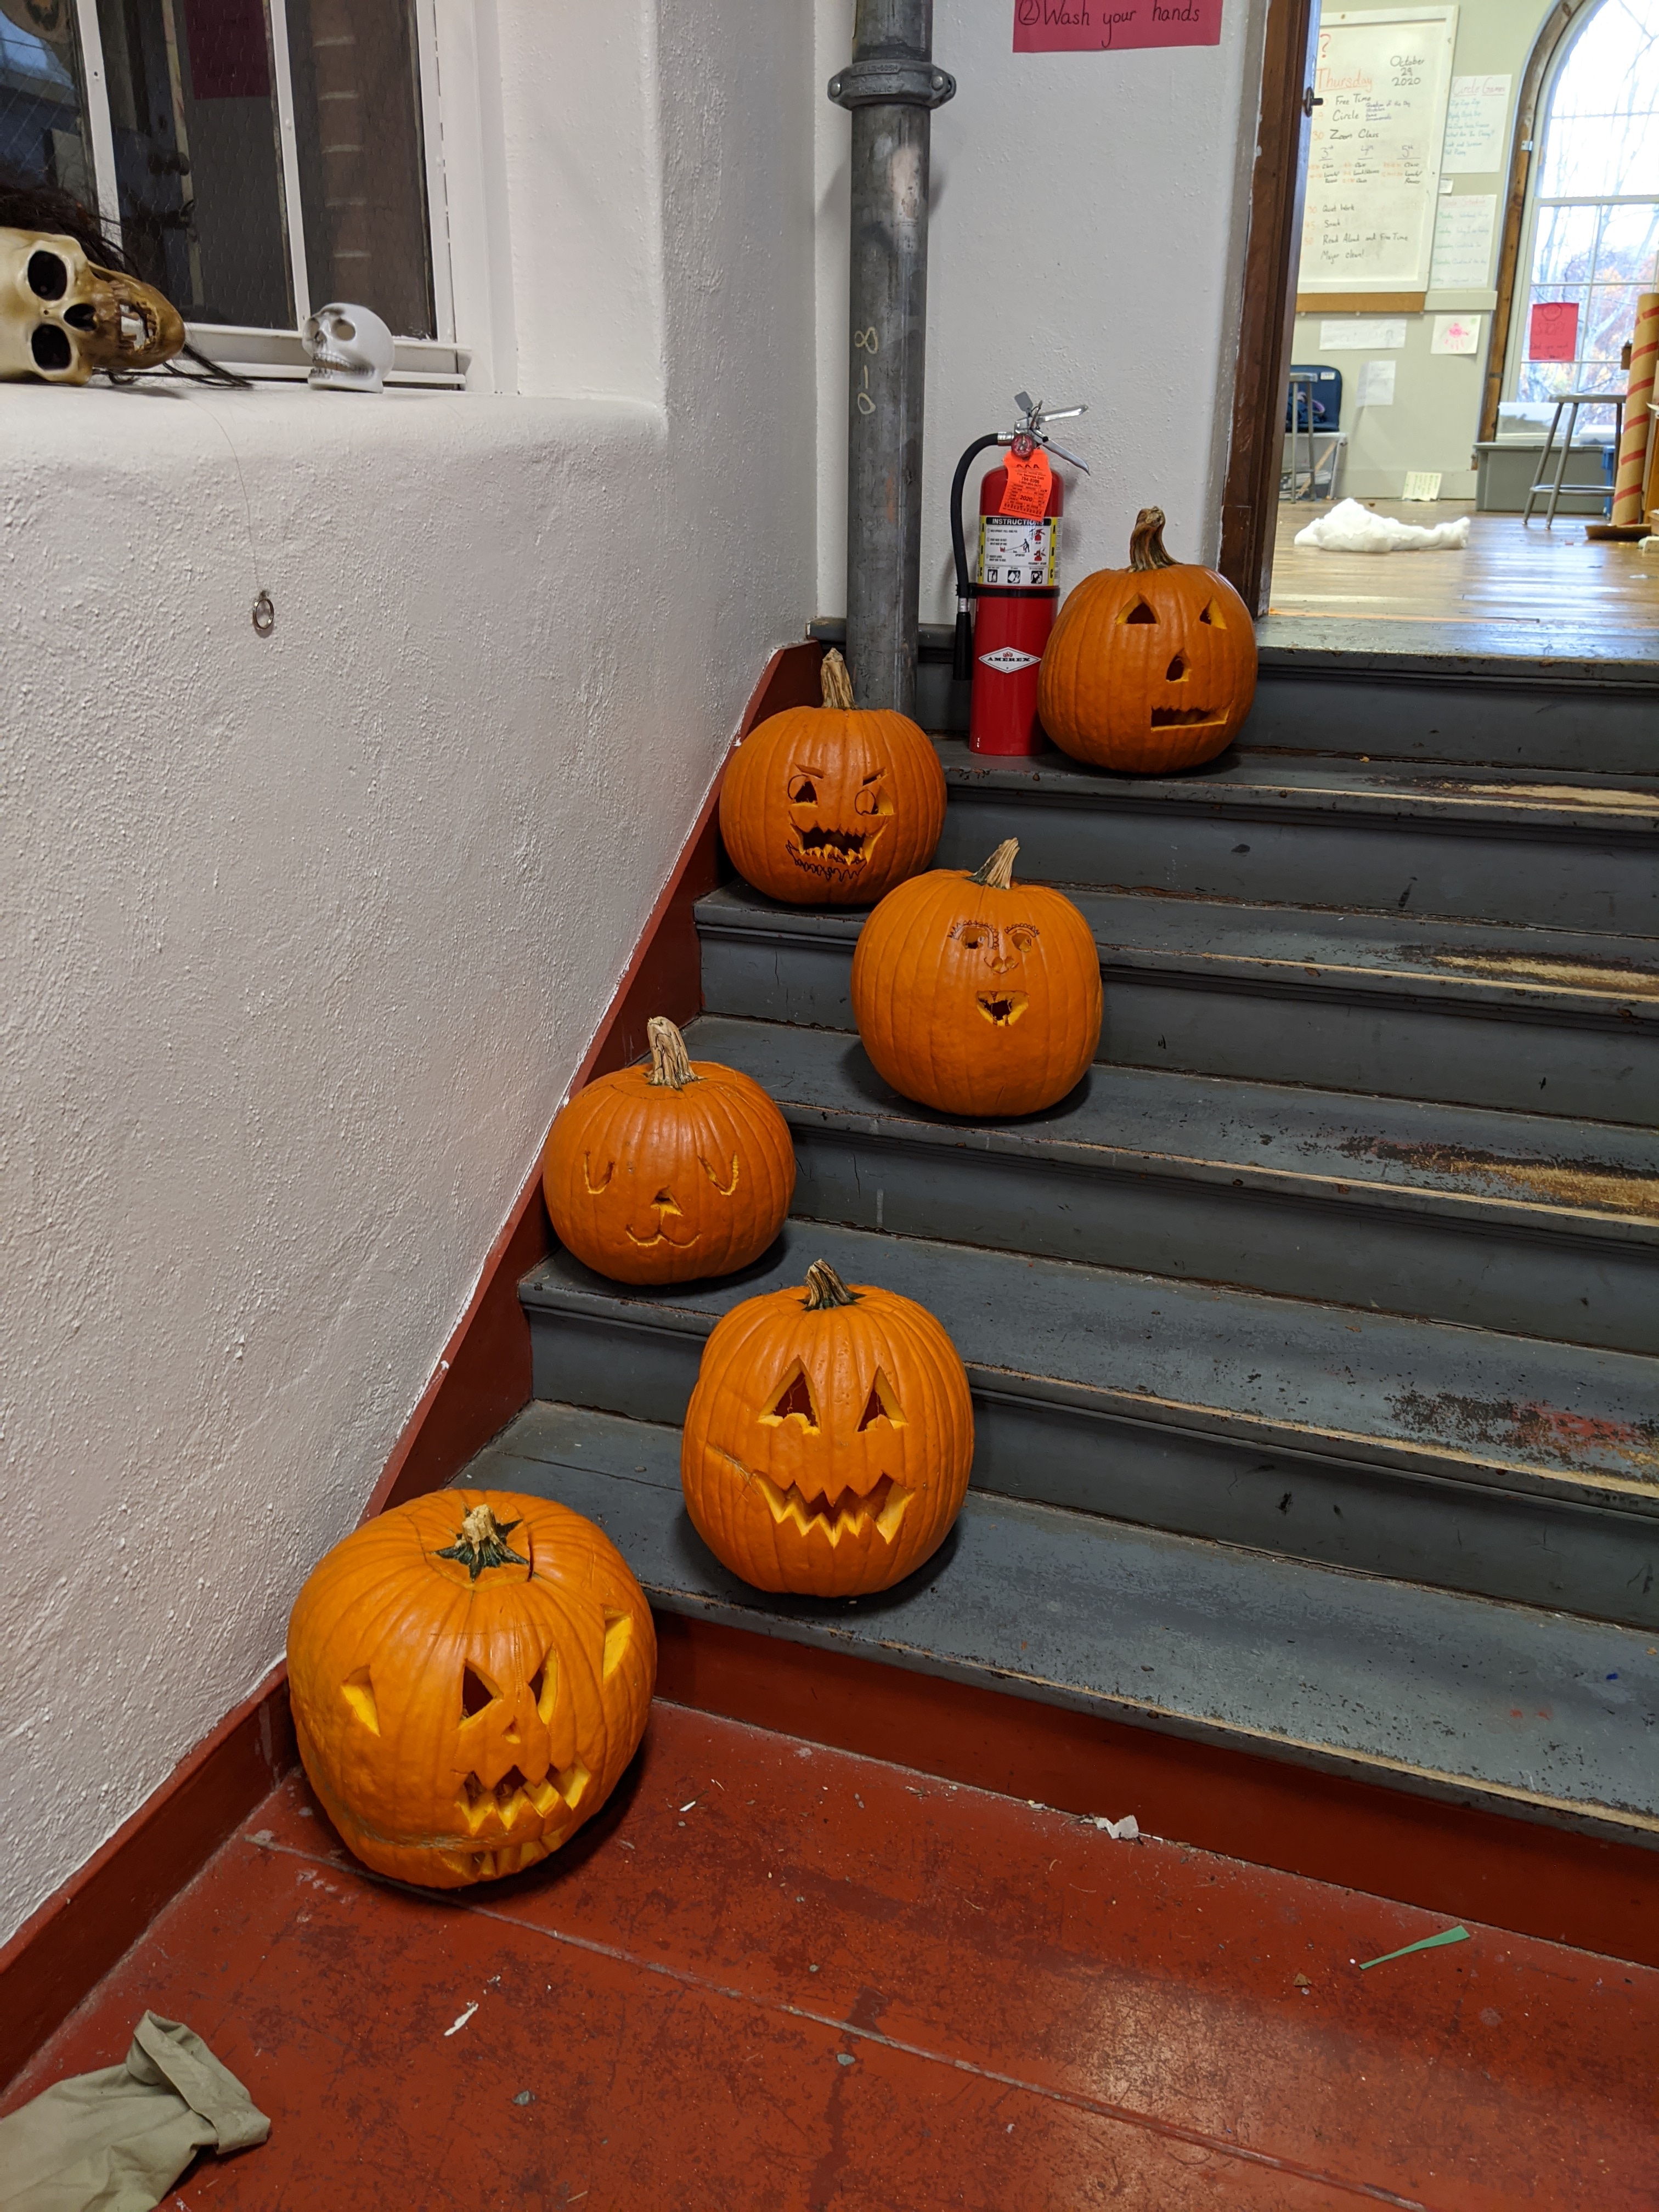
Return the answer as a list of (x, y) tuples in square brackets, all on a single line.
[(771, 1976)]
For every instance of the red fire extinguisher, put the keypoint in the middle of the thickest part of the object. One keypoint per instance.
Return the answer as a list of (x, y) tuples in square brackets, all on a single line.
[(1015, 582)]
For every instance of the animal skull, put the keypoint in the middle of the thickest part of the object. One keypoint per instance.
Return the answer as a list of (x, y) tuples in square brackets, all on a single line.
[(63, 316), (351, 348)]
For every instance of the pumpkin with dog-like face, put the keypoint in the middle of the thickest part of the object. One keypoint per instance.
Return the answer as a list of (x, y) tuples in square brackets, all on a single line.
[(1149, 668), (470, 1674), (830, 806), (976, 995), (667, 1173), (827, 1445)]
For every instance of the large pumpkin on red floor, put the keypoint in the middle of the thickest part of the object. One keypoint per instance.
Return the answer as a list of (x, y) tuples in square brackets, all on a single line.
[(828, 1443), (1149, 668), (832, 804), (470, 1674), (976, 994), (667, 1173)]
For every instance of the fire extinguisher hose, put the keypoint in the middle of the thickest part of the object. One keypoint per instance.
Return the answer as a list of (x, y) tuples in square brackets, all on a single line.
[(962, 667)]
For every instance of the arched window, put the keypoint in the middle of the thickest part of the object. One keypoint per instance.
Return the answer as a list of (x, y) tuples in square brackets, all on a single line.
[(1593, 238)]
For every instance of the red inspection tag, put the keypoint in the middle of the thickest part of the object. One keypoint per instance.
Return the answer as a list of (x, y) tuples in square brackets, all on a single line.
[(1026, 492)]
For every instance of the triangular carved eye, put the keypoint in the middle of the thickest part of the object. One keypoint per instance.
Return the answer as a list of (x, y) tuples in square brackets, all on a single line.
[(1213, 616), (792, 1400), (884, 1405), (1140, 612), (544, 1686), (359, 1693), (476, 1693)]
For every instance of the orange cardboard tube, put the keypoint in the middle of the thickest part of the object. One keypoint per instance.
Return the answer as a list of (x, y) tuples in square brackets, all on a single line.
[(1633, 445)]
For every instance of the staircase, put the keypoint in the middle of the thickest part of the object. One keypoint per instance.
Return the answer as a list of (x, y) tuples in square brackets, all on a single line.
[(1313, 1339)]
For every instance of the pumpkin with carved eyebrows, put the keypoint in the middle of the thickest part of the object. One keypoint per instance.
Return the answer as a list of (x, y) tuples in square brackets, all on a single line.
[(1149, 668), (667, 1173), (830, 805), (828, 1443), (470, 1674)]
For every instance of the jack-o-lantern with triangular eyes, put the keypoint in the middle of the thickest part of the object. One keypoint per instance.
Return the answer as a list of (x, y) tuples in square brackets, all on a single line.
[(1149, 668), (976, 995), (828, 1443), (470, 1674), (830, 805), (666, 1173)]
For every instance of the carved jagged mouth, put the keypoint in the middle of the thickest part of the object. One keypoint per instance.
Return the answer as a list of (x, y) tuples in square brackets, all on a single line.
[(1173, 718), (1002, 1009), (832, 852), (847, 1513), (515, 1795)]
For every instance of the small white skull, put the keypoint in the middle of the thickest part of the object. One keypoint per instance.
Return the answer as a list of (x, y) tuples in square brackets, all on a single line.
[(351, 348), (62, 315)]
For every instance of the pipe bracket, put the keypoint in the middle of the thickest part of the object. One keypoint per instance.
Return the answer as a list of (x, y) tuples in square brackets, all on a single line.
[(892, 81)]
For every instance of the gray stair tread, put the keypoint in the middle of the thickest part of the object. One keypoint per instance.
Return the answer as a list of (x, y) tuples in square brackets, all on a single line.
[(1477, 1161), (1478, 965), (1466, 1404), (1533, 1713), (1250, 783), (1536, 658)]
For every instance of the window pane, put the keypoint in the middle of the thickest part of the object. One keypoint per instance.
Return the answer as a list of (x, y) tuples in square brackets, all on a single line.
[(1601, 136), (1612, 321), (1628, 247), (42, 134), (192, 102), (1565, 248), (357, 114)]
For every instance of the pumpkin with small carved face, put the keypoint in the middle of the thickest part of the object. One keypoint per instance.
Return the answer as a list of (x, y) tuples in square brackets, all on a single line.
[(976, 995), (1149, 668), (667, 1173), (829, 807), (828, 1443), (470, 1674)]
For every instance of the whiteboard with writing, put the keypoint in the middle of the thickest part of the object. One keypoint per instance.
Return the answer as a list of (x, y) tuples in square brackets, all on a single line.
[(1383, 75)]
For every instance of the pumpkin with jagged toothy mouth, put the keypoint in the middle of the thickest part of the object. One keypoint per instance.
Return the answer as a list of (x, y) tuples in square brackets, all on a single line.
[(828, 806), (827, 1445)]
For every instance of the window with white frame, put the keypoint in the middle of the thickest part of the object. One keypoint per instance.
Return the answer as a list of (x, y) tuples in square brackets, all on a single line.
[(257, 157), (1595, 233)]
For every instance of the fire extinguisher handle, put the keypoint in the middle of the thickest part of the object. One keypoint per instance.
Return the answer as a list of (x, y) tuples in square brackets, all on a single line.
[(962, 666)]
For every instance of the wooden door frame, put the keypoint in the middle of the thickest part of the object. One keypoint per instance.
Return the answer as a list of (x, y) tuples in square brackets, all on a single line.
[(1249, 500)]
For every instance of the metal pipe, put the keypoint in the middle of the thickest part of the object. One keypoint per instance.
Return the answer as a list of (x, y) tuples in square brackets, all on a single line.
[(891, 88)]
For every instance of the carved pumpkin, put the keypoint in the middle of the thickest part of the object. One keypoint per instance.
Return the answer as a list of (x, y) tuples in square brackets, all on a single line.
[(663, 1174), (977, 995), (826, 805), (470, 1674), (1150, 667), (827, 1445)]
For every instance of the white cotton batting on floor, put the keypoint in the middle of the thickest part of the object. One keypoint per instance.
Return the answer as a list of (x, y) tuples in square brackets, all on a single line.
[(1352, 528)]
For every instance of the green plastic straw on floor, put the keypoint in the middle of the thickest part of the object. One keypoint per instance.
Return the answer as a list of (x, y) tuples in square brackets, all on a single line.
[(1428, 1943)]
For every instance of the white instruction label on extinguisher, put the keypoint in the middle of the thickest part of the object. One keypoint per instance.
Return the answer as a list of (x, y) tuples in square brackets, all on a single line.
[(1018, 551)]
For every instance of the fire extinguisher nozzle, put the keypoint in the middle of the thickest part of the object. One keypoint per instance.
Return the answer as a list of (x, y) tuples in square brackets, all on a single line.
[(962, 663)]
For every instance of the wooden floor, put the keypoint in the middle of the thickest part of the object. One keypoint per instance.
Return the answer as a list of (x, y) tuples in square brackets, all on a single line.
[(773, 1977), (1531, 579)]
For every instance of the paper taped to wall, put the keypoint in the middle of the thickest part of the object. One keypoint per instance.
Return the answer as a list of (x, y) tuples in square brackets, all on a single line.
[(1375, 387), (1476, 116), (1462, 243), (1362, 334), (1456, 334)]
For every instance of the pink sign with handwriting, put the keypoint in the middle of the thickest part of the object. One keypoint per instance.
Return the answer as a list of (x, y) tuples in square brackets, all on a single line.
[(1068, 26)]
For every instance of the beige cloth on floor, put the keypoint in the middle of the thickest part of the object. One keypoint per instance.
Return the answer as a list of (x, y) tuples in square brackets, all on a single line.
[(117, 2141)]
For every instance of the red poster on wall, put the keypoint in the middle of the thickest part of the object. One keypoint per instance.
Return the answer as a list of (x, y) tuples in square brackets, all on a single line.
[(1552, 332), (1056, 27)]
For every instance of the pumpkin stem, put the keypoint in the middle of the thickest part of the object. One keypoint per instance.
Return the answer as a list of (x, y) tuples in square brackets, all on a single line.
[(998, 873), (670, 1065), (837, 683), (824, 1288), (1146, 542), (483, 1543)]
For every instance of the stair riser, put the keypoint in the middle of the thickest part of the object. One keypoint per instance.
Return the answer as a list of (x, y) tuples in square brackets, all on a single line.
[(1603, 731), (1269, 1031), (1313, 1505), (1572, 881), (1575, 1289)]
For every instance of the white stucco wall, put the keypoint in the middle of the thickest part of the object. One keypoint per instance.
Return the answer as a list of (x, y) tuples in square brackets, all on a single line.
[(302, 938), (1086, 242)]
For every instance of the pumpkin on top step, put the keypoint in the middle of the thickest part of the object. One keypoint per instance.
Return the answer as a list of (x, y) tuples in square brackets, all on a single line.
[(1149, 668), (471, 1674), (832, 805), (977, 994), (667, 1173), (827, 1445)]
